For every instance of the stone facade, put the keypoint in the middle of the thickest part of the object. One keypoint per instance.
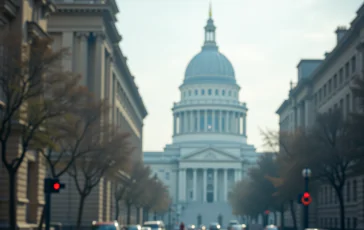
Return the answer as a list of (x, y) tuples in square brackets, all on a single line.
[(88, 29), (322, 86), (28, 19)]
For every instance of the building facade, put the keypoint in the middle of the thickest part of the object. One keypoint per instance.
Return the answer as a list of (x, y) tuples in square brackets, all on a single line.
[(88, 29), (322, 86), (26, 20), (209, 152)]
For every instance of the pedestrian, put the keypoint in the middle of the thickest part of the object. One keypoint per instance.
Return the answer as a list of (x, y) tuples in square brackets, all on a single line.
[(182, 226)]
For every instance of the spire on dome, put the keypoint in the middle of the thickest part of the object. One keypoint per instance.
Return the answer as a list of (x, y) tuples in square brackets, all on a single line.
[(210, 31), (210, 11)]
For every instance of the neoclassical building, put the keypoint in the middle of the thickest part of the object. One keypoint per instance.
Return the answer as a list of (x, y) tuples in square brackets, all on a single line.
[(209, 152), (323, 85)]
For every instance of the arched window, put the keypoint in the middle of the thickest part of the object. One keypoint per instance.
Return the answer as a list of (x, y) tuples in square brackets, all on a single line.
[(202, 92), (216, 92), (196, 92), (210, 91), (223, 92)]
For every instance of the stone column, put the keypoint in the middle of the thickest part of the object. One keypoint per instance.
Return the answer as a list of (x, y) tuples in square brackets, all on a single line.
[(213, 125), (205, 121), (185, 126), (204, 185), (198, 114), (109, 86), (227, 123), (244, 125), (232, 122), (182, 185), (194, 177), (215, 185), (191, 121), (236, 175), (82, 57), (225, 184), (99, 65), (239, 124), (174, 123), (220, 121)]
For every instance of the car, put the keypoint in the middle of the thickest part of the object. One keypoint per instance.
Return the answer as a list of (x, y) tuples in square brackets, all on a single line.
[(155, 225), (214, 226), (271, 227), (231, 223), (191, 227), (202, 227), (114, 225)]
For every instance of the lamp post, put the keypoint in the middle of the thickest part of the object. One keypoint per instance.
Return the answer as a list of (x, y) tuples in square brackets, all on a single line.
[(155, 179), (306, 173)]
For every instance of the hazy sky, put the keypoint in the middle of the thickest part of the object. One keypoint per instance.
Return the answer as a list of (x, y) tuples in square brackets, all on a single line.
[(264, 40)]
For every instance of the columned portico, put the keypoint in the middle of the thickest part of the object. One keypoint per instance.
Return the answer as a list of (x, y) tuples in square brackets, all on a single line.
[(214, 184)]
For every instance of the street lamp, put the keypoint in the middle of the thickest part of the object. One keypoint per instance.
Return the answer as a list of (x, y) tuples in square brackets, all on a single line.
[(306, 173)]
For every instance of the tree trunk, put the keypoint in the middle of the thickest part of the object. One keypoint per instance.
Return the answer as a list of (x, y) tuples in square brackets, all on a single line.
[(282, 216), (117, 210), (80, 211), (12, 200), (293, 213), (41, 222), (128, 213), (342, 209), (138, 215)]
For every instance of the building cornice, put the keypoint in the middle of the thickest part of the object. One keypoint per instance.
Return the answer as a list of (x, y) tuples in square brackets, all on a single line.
[(123, 67), (283, 106)]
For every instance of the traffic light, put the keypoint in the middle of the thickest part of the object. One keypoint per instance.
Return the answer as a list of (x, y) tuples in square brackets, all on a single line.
[(53, 185), (306, 199)]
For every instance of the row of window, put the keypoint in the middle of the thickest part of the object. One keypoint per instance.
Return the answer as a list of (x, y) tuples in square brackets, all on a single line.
[(351, 223), (327, 194), (337, 80), (166, 174), (210, 92), (124, 99)]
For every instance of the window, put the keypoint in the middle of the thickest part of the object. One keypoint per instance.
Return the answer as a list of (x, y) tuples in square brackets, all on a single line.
[(223, 92), (330, 85), (353, 64), (202, 92), (216, 92), (348, 222), (347, 104), (336, 223), (347, 70), (348, 191), (189, 92), (341, 76), (196, 92), (210, 91), (354, 191), (167, 176), (325, 86), (229, 93), (335, 81), (191, 194), (355, 222), (325, 195)]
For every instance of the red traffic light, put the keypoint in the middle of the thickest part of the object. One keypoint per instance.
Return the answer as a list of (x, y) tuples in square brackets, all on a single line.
[(266, 212), (56, 186), (306, 199)]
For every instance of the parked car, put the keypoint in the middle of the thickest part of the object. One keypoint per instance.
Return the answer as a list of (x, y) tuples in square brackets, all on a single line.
[(214, 226), (114, 225), (155, 225)]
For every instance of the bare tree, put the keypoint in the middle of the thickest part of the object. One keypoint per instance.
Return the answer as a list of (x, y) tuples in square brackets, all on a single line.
[(33, 90), (139, 176), (332, 154), (69, 134), (104, 156)]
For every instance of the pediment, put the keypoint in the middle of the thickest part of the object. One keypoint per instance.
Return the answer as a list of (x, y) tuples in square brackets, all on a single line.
[(209, 154)]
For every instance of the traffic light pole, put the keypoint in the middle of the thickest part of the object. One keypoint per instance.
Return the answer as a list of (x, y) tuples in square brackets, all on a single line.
[(47, 211), (305, 207)]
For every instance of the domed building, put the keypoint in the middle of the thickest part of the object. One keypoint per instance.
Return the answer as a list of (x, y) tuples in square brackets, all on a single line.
[(209, 152)]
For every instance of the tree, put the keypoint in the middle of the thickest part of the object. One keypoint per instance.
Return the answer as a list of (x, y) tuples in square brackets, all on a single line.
[(33, 90), (158, 200), (136, 187), (287, 148), (104, 156), (68, 136), (255, 196), (332, 154)]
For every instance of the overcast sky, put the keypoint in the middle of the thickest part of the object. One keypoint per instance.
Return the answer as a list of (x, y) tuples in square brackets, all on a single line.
[(264, 40)]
